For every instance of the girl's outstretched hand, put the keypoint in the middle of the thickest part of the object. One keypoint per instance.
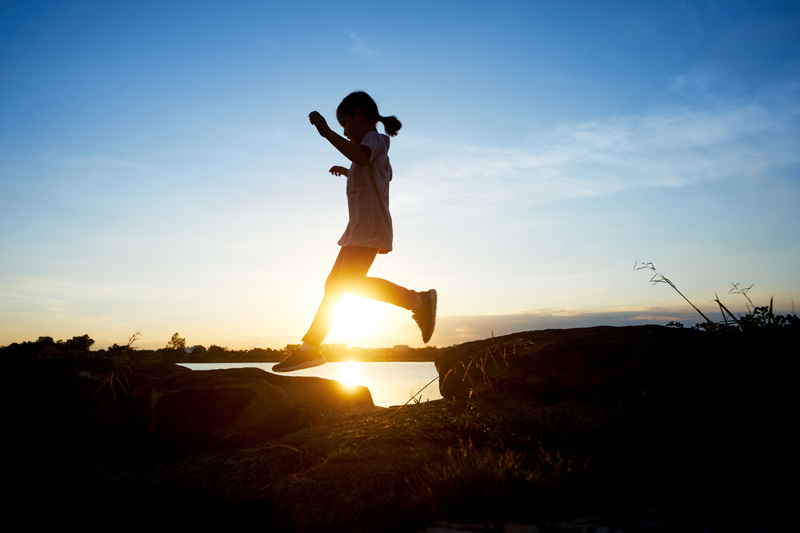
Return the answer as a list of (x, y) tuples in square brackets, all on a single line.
[(320, 122), (339, 171)]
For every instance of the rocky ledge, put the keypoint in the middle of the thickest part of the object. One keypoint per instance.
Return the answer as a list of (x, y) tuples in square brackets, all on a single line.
[(639, 428), (167, 407), (549, 364)]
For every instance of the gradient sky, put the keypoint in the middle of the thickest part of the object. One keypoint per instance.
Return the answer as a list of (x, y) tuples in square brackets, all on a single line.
[(158, 172)]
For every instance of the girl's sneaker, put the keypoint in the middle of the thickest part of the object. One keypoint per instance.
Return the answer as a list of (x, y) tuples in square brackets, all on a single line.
[(300, 359), (425, 314)]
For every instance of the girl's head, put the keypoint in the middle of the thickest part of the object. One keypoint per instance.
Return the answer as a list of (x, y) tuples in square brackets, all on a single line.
[(361, 101)]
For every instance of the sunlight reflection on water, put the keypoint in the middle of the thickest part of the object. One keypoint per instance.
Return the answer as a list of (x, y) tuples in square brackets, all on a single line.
[(350, 373), (389, 383)]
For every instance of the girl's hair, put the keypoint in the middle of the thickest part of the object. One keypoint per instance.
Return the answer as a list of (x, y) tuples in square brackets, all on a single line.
[(361, 100)]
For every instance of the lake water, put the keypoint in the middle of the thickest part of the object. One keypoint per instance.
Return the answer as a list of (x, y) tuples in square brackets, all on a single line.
[(389, 383)]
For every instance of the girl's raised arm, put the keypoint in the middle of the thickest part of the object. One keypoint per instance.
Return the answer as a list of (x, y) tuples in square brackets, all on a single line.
[(355, 153)]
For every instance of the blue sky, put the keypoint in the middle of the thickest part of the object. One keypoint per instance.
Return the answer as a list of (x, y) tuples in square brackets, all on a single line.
[(158, 172)]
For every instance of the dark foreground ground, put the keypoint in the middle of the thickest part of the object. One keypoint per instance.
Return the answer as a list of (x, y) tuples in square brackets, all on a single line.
[(706, 446)]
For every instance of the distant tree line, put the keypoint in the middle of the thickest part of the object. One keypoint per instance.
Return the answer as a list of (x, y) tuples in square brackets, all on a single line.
[(76, 347), (176, 351)]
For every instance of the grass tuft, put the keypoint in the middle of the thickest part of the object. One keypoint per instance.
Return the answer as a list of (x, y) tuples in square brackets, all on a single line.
[(756, 318)]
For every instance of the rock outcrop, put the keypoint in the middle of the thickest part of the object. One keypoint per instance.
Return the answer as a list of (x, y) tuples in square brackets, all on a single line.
[(86, 405), (554, 362), (246, 404)]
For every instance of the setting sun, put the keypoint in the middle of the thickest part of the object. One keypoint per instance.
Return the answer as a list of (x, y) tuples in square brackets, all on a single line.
[(355, 317)]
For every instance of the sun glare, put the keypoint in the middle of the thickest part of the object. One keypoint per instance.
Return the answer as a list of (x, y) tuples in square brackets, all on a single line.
[(356, 316), (350, 373)]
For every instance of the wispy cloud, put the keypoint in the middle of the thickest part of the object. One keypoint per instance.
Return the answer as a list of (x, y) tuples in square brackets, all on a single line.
[(696, 79), (360, 47), (666, 147)]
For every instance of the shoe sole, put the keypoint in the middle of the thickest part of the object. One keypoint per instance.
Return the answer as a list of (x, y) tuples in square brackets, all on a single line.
[(432, 294), (308, 364)]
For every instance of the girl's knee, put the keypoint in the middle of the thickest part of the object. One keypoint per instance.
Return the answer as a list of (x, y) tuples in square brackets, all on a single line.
[(351, 283)]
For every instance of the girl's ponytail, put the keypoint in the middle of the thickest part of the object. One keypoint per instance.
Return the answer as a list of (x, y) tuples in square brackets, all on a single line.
[(360, 100), (391, 125)]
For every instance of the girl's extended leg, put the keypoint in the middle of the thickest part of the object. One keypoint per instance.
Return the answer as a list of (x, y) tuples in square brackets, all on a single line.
[(349, 274)]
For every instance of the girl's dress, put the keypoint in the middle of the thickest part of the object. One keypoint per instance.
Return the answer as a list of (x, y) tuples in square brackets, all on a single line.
[(370, 223)]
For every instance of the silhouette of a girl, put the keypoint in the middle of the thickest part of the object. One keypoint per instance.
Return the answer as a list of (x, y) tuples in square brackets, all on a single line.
[(369, 230)]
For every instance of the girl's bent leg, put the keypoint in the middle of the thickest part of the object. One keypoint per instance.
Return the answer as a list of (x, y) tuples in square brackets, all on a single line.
[(353, 274), (351, 263), (385, 291), (349, 274)]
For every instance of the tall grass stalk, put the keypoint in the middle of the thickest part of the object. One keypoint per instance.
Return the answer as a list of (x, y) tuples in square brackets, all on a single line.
[(121, 369), (755, 318), (659, 278)]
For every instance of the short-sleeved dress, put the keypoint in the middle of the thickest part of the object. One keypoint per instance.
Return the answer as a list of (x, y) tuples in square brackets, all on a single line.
[(370, 223)]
